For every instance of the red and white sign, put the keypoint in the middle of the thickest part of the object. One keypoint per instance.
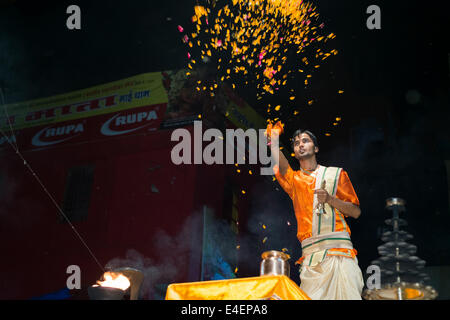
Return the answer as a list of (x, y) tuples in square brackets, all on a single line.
[(106, 126)]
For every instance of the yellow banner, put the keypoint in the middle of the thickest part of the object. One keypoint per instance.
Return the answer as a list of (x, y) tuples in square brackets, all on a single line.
[(138, 91)]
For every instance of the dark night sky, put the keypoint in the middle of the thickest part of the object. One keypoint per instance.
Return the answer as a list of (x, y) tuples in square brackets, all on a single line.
[(389, 147)]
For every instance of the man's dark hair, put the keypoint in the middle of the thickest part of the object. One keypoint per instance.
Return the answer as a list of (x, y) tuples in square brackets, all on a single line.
[(309, 133)]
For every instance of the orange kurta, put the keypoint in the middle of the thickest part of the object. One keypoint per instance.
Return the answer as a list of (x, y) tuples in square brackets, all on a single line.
[(300, 185)]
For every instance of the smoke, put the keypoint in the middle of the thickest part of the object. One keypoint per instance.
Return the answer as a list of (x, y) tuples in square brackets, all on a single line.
[(174, 258), (180, 255), (153, 273)]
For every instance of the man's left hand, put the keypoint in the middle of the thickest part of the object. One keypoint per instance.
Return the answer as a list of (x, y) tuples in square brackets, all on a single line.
[(322, 195)]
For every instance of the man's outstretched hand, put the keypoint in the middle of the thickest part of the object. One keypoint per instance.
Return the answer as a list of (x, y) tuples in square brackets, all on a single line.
[(274, 130)]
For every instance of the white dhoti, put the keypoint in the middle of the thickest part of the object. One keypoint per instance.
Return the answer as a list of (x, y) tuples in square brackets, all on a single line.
[(335, 278)]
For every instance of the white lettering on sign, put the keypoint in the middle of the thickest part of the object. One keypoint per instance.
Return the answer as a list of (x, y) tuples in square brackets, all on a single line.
[(60, 131), (49, 132), (127, 120)]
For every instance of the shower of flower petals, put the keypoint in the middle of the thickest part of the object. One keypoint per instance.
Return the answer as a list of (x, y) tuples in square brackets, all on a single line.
[(258, 38)]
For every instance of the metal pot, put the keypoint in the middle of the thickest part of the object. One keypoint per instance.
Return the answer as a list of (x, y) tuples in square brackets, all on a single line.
[(274, 263), (105, 293), (136, 278)]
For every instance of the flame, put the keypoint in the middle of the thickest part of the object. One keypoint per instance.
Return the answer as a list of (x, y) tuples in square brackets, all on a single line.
[(413, 293), (278, 126), (114, 280)]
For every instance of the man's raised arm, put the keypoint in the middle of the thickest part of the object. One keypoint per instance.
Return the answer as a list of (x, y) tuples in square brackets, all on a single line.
[(282, 162)]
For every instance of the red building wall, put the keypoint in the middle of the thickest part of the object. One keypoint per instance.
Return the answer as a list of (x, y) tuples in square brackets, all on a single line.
[(125, 212)]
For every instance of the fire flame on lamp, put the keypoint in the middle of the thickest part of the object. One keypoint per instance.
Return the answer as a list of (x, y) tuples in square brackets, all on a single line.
[(114, 280)]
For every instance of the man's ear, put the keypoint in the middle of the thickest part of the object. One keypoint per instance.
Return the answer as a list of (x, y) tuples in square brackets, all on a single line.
[(316, 149)]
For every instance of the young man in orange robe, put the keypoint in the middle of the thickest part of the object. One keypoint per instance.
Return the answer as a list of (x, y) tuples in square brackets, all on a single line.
[(323, 197)]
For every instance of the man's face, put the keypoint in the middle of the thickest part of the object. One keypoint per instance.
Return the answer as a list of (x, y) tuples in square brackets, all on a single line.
[(304, 147)]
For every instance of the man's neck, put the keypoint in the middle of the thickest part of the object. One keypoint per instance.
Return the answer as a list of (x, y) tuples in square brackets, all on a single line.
[(309, 164)]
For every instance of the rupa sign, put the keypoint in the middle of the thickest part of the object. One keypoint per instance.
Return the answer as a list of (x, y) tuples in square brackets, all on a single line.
[(117, 108)]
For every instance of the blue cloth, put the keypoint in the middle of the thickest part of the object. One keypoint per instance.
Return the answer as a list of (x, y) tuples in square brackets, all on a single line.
[(57, 295)]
